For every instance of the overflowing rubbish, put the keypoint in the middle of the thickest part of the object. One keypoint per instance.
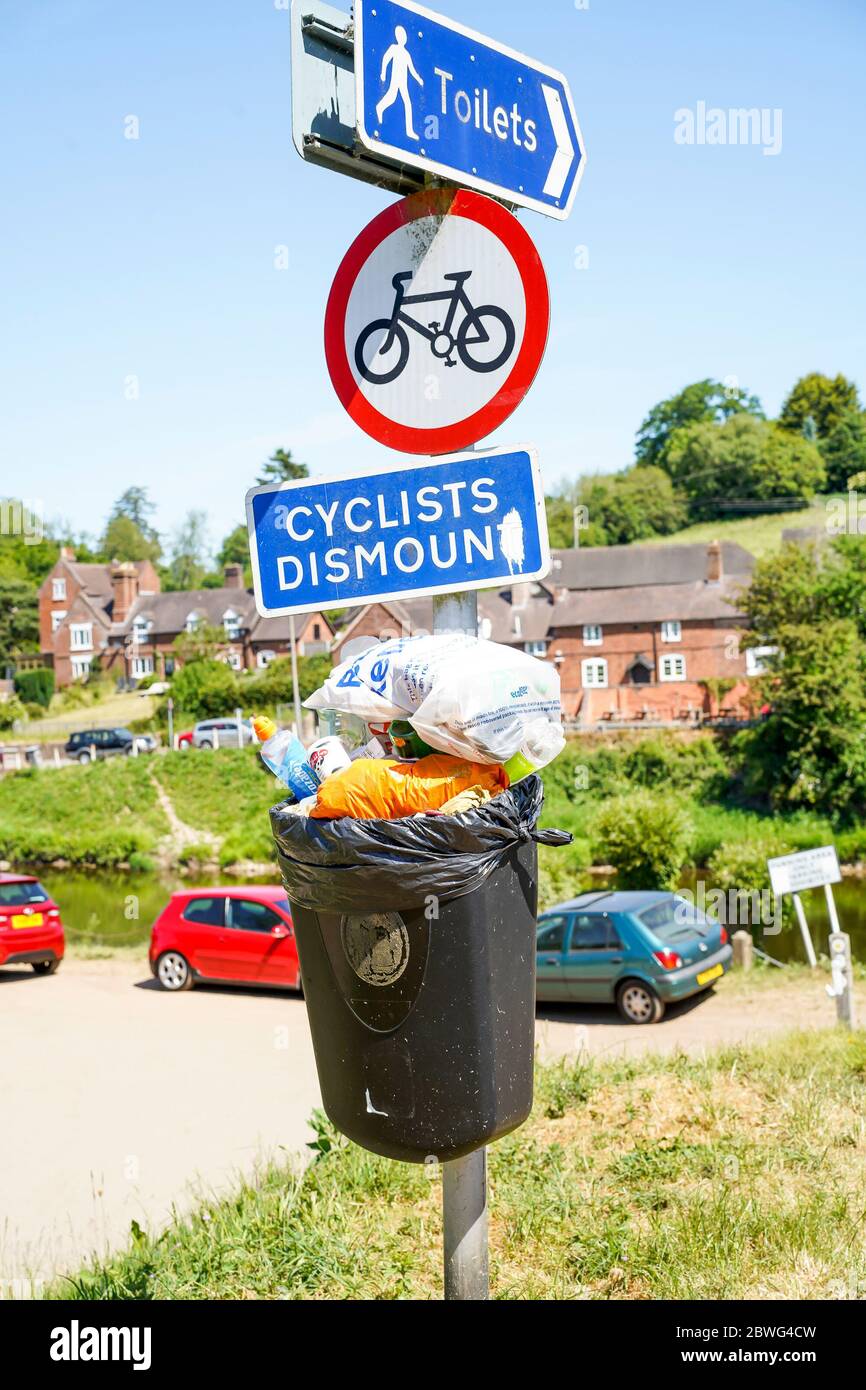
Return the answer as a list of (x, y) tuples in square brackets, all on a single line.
[(462, 695), (406, 742), (386, 789), (285, 755), (437, 725), (328, 755)]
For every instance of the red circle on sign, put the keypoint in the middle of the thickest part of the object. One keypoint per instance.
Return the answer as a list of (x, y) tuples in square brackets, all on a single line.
[(438, 202)]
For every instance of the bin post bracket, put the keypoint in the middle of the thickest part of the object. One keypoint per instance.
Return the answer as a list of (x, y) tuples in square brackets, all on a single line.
[(464, 1180)]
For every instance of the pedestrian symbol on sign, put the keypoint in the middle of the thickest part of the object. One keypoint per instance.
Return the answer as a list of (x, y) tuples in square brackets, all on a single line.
[(399, 59)]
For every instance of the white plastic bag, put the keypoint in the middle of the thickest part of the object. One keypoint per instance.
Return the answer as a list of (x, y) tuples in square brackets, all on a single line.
[(464, 695)]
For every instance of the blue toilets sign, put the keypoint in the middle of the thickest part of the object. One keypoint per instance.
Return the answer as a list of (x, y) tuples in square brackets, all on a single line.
[(452, 524), (439, 97)]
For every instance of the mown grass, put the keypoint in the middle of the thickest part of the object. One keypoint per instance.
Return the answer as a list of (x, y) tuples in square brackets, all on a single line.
[(762, 535), (740, 1175), (103, 814)]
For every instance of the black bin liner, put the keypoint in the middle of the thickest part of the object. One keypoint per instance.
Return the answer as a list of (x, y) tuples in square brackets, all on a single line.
[(416, 939)]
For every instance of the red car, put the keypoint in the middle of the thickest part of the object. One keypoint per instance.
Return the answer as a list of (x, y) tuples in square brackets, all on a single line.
[(184, 740), (240, 935), (31, 932)]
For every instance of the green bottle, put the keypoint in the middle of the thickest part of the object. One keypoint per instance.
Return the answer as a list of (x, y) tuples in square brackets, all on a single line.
[(407, 744)]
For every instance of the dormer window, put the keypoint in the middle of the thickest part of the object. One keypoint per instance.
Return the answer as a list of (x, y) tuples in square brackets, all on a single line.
[(193, 621), (232, 625), (140, 630)]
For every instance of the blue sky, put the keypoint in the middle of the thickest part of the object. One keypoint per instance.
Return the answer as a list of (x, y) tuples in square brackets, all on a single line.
[(154, 258)]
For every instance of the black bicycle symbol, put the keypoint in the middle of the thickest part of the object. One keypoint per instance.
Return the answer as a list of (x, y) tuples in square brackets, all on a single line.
[(471, 334)]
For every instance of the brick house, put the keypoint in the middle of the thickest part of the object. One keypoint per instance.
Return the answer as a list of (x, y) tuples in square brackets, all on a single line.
[(76, 611), (118, 613), (634, 630)]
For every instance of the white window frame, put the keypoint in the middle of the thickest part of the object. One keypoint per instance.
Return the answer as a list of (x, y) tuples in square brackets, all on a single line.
[(58, 590), (593, 634), (81, 637), (193, 621), (756, 663), (140, 630), (233, 659), (672, 667), (80, 667), (264, 659), (57, 618), (232, 624), (593, 673), (672, 630), (536, 648), (141, 666)]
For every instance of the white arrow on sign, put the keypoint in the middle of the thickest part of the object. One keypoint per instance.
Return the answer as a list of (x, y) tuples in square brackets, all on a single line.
[(564, 157)]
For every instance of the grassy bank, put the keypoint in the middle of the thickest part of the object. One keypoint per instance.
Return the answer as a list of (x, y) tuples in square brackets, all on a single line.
[(103, 814), (762, 534), (111, 813), (737, 1176)]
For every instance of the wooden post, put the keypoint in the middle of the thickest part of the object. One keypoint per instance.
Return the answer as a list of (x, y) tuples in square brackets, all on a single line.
[(804, 928), (744, 950), (842, 988)]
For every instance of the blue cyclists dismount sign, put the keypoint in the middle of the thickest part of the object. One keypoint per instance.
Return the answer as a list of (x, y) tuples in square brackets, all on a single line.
[(439, 97), (465, 522)]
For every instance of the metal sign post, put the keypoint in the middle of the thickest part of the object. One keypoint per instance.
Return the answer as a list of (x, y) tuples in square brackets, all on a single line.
[(464, 1180), (809, 868)]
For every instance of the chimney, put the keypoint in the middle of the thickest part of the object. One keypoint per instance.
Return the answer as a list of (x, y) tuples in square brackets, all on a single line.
[(715, 567), (234, 576), (124, 588)]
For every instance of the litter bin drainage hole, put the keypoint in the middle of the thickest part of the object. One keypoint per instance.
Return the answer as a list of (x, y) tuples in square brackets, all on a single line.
[(376, 946)]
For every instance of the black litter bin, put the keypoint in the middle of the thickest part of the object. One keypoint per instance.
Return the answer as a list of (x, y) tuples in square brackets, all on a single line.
[(417, 946)]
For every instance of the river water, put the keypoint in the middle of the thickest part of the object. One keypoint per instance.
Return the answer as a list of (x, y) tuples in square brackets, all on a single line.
[(119, 909)]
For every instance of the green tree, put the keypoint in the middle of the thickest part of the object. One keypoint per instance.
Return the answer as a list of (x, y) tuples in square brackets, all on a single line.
[(844, 450), (631, 506), (123, 540), (281, 468), (129, 532), (235, 549), (822, 399), (205, 689), (810, 606), (204, 642), (703, 402), (35, 687), (744, 458), (644, 835), (19, 620), (811, 752), (189, 553)]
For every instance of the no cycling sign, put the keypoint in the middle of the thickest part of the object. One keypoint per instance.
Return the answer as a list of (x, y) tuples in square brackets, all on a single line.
[(437, 321)]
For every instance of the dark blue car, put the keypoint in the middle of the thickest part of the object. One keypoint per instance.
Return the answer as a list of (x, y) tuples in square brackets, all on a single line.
[(637, 950)]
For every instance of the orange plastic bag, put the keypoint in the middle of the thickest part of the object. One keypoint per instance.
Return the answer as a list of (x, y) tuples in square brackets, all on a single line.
[(384, 789)]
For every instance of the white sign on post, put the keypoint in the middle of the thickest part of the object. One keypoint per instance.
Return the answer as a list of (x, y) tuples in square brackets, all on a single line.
[(810, 868)]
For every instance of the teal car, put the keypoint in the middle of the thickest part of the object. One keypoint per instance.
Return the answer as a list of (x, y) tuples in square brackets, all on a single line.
[(639, 950)]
